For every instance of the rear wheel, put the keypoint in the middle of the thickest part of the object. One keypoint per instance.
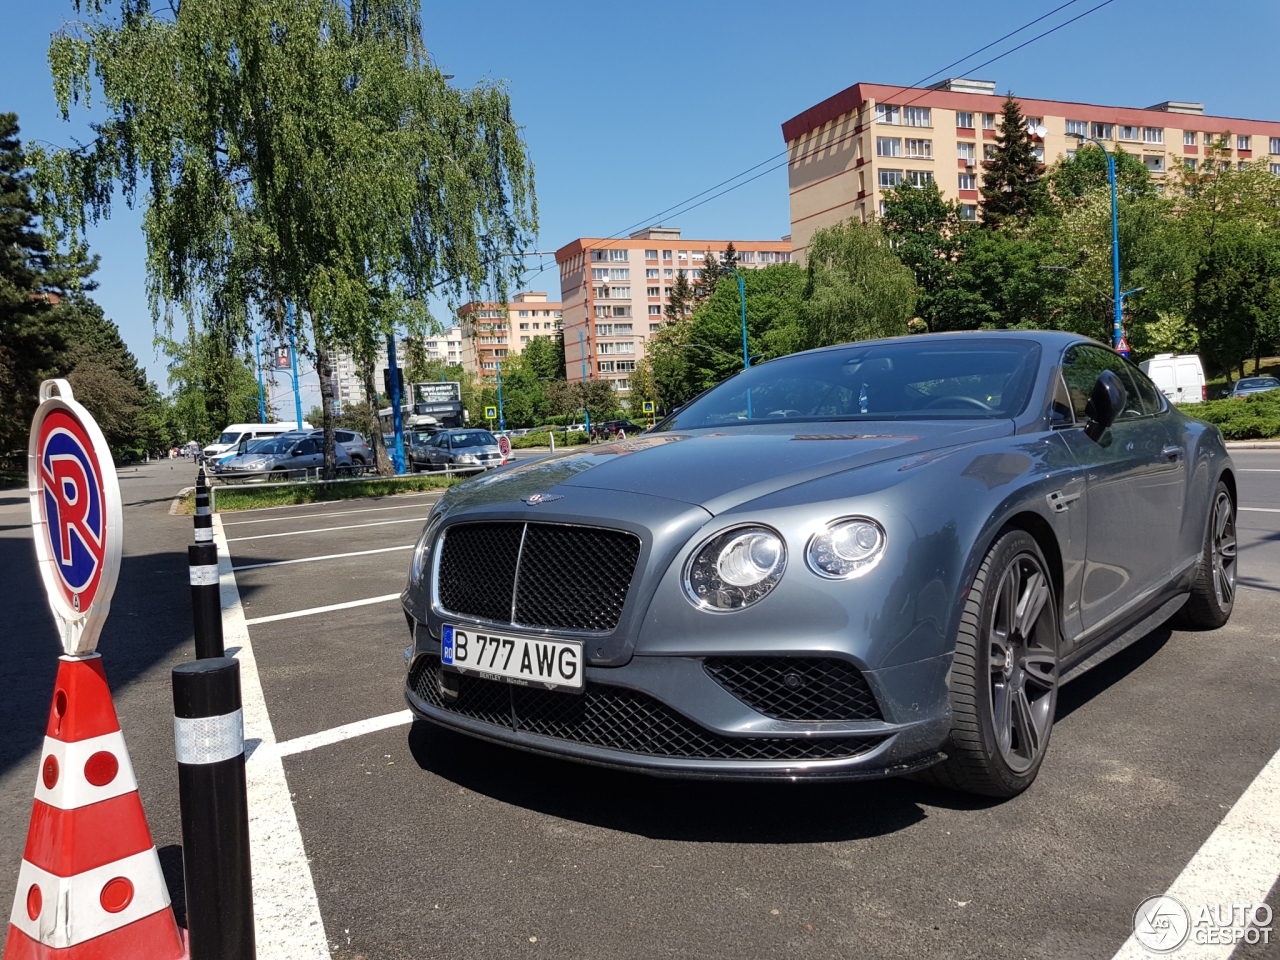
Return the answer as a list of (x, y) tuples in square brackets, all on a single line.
[(1213, 592), (1004, 677)]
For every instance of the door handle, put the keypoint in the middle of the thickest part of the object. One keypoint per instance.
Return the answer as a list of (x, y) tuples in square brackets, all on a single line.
[(1172, 452)]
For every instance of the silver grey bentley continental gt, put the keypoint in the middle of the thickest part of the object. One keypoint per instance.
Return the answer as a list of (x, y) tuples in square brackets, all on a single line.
[(868, 560)]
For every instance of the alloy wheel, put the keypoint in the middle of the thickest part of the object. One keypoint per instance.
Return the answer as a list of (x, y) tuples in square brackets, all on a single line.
[(1023, 662), (1224, 551)]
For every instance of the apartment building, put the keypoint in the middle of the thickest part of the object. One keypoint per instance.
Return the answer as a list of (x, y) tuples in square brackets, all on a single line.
[(850, 148), (493, 331), (348, 388), (614, 292)]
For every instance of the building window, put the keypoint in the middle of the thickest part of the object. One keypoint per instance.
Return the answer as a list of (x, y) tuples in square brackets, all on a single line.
[(890, 178), (988, 121), (1103, 131), (697, 256), (1225, 165), (525, 313), (1243, 143), (917, 117), (1242, 165), (626, 366), (651, 274), (1153, 134), (1154, 164), (888, 114), (968, 181), (617, 255), (884, 209), (1188, 138), (524, 326), (988, 151), (888, 147), (1275, 168), (604, 366), (653, 291), (667, 274), (621, 293), (968, 211), (1128, 132), (1038, 150), (655, 310), (621, 311), (1189, 163), (746, 256), (784, 256), (965, 151), (695, 274), (1071, 154), (920, 149), (1208, 139), (766, 256), (918, 178), (620, 274), (1275, 145), (1033, 122), (622, 383), (964, 120), (666, 254), (655, 327), (524, 339), (1077, 128), (682, 256), (651, 254)]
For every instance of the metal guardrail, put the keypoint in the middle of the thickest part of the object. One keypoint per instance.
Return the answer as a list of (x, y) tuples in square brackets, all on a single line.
[(215, 483)]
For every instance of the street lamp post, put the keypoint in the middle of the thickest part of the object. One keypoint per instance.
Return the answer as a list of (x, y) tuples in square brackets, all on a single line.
[(1123, 294), (1117, 333), (746, 356), (502, 423), (582, 354), (397, 416), (262, 399), (293, 359)]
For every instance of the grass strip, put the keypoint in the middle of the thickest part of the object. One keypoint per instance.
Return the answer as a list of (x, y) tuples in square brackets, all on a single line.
[(247, 497)]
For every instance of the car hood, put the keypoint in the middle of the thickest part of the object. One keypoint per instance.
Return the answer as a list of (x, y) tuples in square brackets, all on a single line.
[(718, 470)]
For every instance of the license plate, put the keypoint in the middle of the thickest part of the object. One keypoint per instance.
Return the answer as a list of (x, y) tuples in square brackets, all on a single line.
[(527, 661)]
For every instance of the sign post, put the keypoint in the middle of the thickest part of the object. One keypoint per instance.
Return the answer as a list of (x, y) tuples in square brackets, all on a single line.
[(491, 414), (647, 407)]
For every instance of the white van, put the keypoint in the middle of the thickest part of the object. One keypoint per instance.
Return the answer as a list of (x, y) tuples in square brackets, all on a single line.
[(232, 435), (1180, 376)]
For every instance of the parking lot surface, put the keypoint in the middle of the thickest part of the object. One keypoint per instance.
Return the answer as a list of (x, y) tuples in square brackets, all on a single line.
[(423, 843)]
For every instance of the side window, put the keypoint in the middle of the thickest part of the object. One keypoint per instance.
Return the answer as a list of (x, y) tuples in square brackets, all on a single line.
[(1152, 398), (1060, 413), (1081, 367), (309, 447)]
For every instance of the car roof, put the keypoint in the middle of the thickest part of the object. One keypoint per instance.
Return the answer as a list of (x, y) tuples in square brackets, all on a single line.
[(1050, 338)]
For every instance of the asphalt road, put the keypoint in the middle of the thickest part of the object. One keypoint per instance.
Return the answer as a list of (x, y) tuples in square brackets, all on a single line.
[(423, 843)]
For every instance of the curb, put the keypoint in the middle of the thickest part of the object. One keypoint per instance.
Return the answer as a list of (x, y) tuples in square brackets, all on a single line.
[(1253, 444), (177, 501)]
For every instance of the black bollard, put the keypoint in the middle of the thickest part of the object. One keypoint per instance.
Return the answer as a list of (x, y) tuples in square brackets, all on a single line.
[(204, 516), (206, 599), (208, 732)]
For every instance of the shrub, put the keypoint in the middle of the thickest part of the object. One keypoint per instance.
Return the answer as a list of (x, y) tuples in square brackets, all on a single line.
[(1256, 417), (543, 439)]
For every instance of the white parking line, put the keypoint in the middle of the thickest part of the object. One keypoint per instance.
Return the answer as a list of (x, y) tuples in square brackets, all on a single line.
[(286, 914), (327, 556), (1239, 863), (1260, 470), (336, 513), (326, 609), (1260, 509), (345, 732), (350, 526)]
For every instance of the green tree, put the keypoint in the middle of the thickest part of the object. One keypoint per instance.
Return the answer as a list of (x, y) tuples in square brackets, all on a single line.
[(545, 356), (857, 288), (680, 299), (1011, 180), (303, 153), (928, 236), (1073, 177), (212, 384)]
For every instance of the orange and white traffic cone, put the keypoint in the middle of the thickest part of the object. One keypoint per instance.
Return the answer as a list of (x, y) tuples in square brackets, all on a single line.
[(90, 886)]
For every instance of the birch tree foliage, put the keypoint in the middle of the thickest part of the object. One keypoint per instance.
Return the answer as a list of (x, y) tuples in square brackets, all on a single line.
[(302, 151)]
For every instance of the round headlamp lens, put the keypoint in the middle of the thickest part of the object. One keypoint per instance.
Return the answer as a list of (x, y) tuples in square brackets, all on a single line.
[(846, 549), (736, 568)]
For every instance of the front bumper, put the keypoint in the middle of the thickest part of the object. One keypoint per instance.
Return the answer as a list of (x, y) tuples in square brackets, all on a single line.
[(664, 715)]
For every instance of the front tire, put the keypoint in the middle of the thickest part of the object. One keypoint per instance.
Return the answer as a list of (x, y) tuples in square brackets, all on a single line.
[(1004, 677), (1213, 592)]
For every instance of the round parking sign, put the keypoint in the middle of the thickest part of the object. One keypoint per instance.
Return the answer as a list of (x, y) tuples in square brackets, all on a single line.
[(75, 514), (504, 445)]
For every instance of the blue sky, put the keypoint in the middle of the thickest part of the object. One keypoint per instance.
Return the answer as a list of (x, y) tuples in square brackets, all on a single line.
[(630, 108)]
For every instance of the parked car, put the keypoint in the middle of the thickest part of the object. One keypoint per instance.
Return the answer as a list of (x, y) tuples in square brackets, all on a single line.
[(868, 560), (1180, 376), (1250, 385), (610, 428), (458, 448), (357, 447), (237, 432), (286, 457)]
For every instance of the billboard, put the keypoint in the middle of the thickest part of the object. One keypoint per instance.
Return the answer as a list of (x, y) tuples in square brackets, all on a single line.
[(443, 391)]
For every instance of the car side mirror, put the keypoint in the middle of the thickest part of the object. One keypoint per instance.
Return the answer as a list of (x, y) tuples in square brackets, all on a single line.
[(296, 451), (1106, 400)]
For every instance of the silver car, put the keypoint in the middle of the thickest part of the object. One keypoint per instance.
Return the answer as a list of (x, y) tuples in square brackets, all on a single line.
[(1250, 385), (287, 457), (458, 448), (868, 560)]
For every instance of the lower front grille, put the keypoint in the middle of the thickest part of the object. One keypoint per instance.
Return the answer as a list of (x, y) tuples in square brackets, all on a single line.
[(616, 719), (797, 688)]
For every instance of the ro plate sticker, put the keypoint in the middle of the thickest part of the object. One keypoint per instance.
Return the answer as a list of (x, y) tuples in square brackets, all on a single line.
[(446, 646)]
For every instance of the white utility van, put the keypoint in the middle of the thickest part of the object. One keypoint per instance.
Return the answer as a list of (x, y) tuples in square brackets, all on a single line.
[(231, 436), (1180, 376)]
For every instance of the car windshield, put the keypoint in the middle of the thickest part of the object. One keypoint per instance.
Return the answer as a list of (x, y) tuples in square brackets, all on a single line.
[(1252, 383), (229, 436), (960, 379), (273, 445), (473, 438)]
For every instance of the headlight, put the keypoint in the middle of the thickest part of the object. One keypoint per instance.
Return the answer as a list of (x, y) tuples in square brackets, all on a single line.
[(468, 458), (422, 549), (736, 568), (846, 549)]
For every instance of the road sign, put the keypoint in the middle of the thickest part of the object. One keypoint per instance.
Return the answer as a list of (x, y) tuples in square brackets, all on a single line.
[(1123, 347), (282, 357), (75, 515), (504, 445), (491, 413), (647, 406)]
